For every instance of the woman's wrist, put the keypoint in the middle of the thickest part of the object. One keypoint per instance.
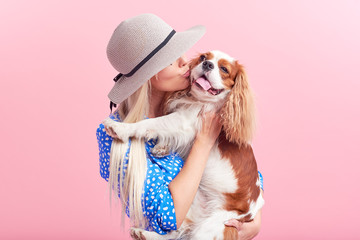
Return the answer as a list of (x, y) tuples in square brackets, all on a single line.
[(203, 143)]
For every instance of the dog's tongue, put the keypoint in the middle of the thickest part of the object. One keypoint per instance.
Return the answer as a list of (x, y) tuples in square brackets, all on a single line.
[(203, 83)]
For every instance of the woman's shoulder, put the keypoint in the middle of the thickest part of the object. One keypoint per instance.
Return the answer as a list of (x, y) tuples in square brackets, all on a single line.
[(114, 116)]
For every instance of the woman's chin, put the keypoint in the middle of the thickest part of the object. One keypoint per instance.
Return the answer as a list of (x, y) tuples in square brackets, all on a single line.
[(182, 86)]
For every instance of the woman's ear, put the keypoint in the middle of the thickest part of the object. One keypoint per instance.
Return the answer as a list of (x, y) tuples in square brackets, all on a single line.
[(238, 112)]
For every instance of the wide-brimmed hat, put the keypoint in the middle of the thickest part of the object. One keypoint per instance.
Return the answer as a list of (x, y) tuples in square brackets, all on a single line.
[(142, 46)]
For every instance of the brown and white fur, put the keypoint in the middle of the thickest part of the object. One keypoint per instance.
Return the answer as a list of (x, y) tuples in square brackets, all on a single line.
[(230, 186)]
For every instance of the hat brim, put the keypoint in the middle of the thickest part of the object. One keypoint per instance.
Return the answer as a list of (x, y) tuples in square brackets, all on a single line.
[(175, 48)]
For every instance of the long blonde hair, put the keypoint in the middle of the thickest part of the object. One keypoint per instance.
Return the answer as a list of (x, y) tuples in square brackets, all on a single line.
[(127, 175)]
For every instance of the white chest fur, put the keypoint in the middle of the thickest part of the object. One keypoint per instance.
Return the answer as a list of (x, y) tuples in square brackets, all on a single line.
[(218, 175)]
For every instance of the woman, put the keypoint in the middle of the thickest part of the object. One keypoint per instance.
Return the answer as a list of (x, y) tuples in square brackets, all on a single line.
[(148, 53)]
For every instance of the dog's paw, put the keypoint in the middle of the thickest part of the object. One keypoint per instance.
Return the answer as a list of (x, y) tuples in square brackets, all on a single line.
[(160, 150), (137, 233), (117, 130)]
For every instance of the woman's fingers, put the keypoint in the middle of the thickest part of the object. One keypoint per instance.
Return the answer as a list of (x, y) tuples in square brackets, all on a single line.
[(211, 127), (212, 122), (234, 223)]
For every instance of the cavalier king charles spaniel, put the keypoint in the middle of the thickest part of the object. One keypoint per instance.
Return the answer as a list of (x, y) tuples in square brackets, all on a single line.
[(230, 185)]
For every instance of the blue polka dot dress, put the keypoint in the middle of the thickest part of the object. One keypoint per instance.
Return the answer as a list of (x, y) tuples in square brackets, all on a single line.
[(159, 206), (158, 203)]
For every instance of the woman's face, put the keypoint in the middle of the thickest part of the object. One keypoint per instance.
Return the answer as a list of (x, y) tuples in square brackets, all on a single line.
[(172, 78)]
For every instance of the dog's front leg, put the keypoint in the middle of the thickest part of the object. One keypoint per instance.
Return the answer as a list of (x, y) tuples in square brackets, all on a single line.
[(166, 127)]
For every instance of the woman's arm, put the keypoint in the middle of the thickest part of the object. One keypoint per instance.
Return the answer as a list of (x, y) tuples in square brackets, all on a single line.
[(184, 186), (247, 230)]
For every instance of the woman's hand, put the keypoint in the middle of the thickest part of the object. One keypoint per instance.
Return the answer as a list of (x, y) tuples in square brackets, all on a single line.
[(210, 130), (247, 230)]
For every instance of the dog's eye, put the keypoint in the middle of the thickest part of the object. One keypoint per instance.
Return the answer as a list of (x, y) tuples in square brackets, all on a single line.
[(202, 58), (224, 69)]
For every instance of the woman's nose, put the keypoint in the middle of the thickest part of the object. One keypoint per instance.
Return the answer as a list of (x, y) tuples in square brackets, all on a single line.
[(183, 61)]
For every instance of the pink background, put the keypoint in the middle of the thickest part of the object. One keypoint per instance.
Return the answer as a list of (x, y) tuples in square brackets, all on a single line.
[(302, 58)]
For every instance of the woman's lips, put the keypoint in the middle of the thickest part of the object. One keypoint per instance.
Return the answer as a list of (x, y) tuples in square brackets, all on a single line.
[(187, 74)]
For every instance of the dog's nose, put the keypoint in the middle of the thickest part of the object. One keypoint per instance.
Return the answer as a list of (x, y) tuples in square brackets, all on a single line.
[(207, 66)]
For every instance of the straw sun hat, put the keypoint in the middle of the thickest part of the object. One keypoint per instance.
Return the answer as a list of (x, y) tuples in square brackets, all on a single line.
[(142, 46)]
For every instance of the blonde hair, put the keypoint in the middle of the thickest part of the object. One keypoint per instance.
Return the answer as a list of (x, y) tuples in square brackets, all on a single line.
[(127, 175)]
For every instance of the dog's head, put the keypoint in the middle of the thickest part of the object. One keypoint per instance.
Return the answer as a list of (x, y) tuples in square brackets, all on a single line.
[(218, 78)]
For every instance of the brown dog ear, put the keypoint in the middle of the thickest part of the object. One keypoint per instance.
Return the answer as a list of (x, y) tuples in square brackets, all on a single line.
[(192, 63), (238, 112), (195, 61)]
